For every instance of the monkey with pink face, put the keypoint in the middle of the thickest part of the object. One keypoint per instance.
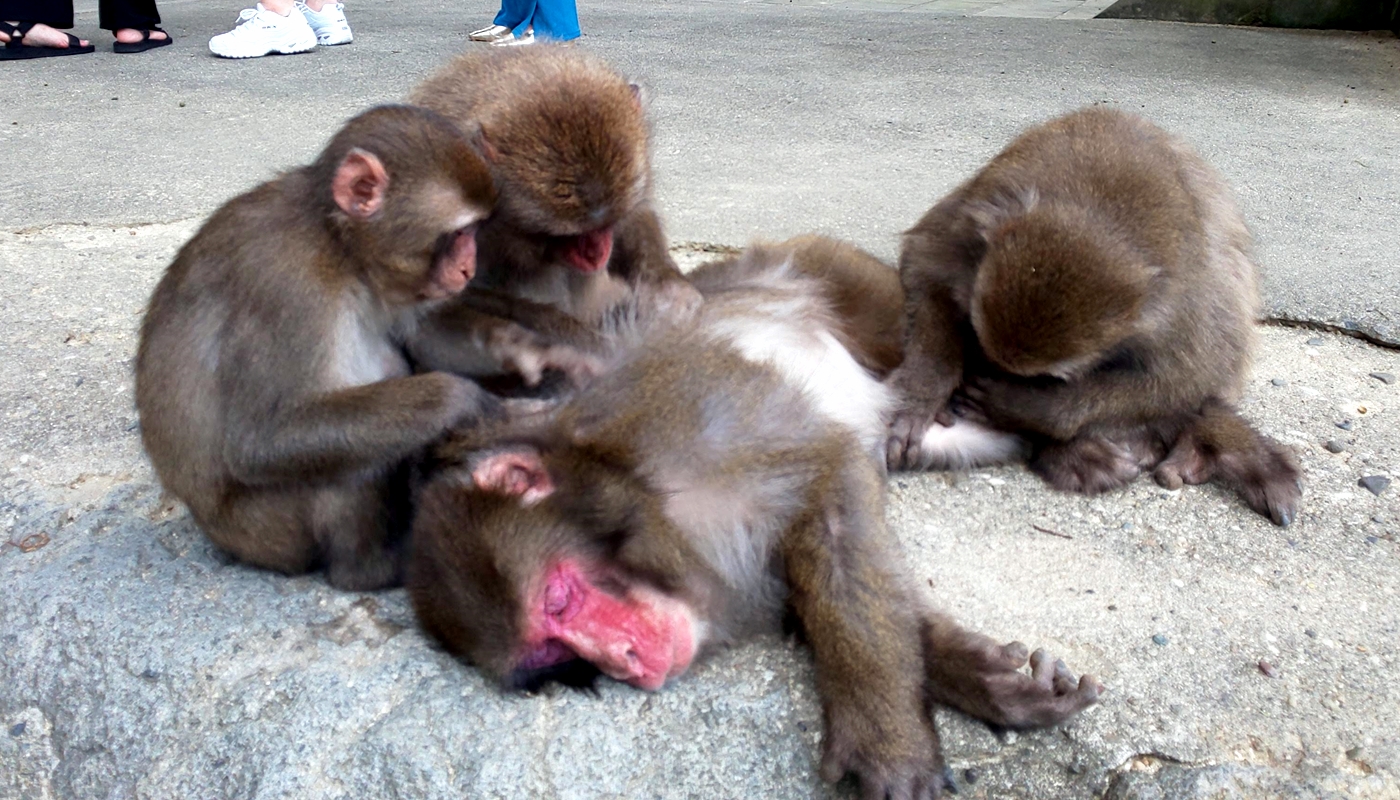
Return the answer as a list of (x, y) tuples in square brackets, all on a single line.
[(723, 470)]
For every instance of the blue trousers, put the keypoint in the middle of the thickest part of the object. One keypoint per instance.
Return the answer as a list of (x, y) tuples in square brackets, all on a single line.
[(551, 19)]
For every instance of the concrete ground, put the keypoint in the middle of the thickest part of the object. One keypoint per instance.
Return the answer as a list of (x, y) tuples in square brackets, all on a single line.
[(1243, 660)]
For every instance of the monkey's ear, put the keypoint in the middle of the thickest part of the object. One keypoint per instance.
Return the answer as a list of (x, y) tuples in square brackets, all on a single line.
[(637, 97), (518, 472), (360, 184)]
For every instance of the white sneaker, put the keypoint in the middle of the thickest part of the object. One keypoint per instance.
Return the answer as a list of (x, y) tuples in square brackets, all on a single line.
[(329, 23), (260, 32), (515, 41), (490, 33)]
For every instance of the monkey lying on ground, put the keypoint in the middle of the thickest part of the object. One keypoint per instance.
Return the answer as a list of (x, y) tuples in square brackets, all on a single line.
[(719, 472), (567, 144), (273, 375), (1091, 288)]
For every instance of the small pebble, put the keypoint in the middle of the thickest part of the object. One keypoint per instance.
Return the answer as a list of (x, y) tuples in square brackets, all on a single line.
[(1378, 519), (1310, 633), (1384, 377), (17, 730), (1112, 607), (1159, 639), (1371, 540), (1335, 446), (1316, 341), (1127, 526), (1344, 424), (1375, 484), (1279, 382), (970, 775), (1075, 767), (1268, 669), (1356, 753)]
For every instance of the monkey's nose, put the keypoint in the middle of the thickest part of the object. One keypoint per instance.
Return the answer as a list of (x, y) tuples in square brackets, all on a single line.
[(625, 661)]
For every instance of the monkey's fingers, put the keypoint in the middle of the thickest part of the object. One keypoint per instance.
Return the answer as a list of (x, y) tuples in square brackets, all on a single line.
[(1087, 465), (878, 782)]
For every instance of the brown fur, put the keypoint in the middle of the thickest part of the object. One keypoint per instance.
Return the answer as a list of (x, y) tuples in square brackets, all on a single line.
[(271, 379), (568, 146), (670, 495), (1091, 287)]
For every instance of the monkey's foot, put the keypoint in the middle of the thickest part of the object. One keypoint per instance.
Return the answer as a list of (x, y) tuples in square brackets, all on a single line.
[(1087, 464), (892, 758), (977, 676), (1264, 474)]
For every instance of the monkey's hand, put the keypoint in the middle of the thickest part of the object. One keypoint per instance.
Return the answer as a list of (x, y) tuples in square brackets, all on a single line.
[(888, 743), (470, 404), (668, 302), (972, 673), (1019, 404), (919, 410), (529, 354)]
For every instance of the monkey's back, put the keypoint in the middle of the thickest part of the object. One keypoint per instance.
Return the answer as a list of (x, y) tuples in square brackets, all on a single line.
[(222, 296), (1149, 189), (743, 419)]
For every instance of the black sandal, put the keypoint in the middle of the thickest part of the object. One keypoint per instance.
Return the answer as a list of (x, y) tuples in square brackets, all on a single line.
[(17, 50), (146, 43)]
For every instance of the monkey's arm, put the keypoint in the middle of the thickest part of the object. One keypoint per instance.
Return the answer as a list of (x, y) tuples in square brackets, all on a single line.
[(642, 258), (931, 370), (488, 334), (351, 429), (865, 638), (1062, 409)]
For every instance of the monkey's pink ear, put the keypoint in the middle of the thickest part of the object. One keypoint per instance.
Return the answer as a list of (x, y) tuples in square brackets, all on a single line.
[(515, 473), (359, 184)]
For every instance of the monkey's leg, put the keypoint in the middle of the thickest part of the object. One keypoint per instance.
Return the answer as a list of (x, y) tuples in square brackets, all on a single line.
[(355, 526), (866, 642), (266, 527), (1219, 443), (974, 674)]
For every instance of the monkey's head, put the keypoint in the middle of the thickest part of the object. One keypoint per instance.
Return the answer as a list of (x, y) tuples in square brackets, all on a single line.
[(405, 191), (1053, 295), (551, 565), (570, 152)]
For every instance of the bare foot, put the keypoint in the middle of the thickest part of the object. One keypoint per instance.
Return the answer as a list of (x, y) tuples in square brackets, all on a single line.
[(134, 35), (42, 35)]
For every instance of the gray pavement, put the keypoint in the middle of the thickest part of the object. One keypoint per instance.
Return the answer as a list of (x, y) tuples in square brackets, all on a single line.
[(138, 662)]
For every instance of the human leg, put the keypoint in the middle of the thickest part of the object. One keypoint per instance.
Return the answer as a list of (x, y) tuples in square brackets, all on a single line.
[(34, 24), (556, 19), (134, 24)]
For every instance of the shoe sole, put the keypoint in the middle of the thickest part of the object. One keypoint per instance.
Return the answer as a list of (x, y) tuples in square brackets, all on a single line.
[(284, 50)]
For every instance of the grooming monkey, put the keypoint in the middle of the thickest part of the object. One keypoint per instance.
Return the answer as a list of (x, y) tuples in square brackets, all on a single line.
[(1092, 289), (567, 144), (718, 473), (274, 374)]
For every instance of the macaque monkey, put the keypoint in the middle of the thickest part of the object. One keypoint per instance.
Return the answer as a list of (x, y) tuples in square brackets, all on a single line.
[(718, 473), (567, 143), (1092, 289), (274, 377)]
